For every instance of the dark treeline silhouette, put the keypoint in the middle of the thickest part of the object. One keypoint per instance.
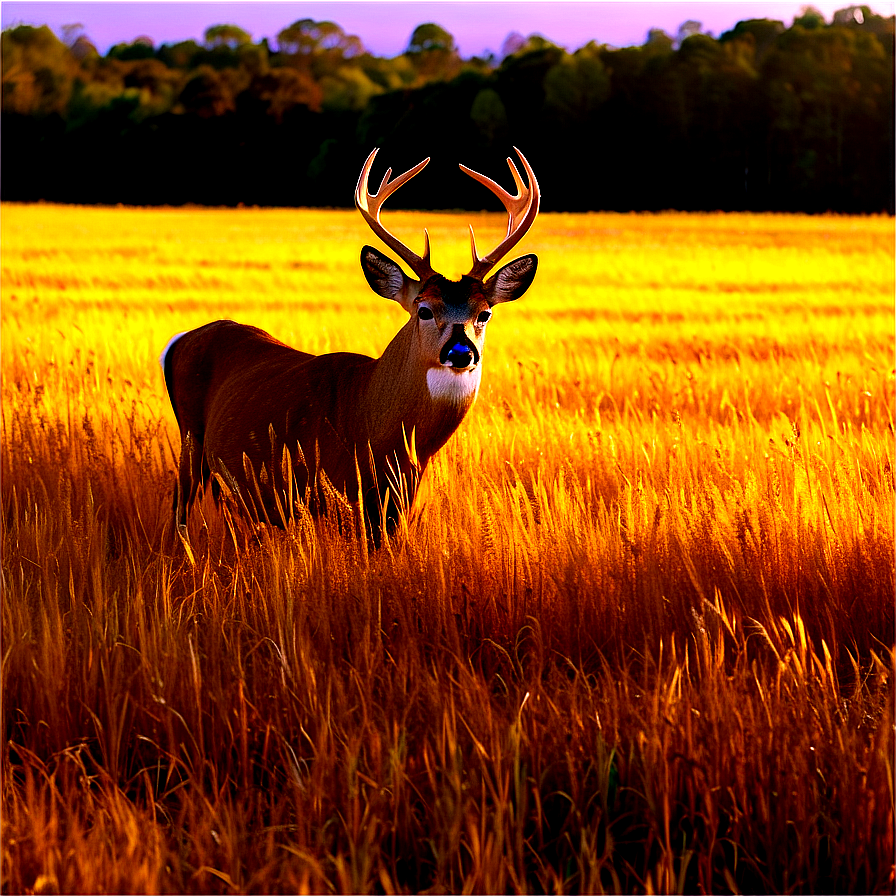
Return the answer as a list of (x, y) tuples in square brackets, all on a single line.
[(764, 117)]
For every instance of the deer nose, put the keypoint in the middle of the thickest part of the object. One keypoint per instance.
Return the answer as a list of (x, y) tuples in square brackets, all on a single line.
[(458, 351), (459, 355)]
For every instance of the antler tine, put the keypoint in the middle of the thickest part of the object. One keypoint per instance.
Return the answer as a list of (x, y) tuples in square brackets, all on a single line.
[(369, 204), (521, 212)]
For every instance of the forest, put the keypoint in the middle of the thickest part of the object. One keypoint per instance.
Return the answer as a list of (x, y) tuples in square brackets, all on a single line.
[(765, 117)]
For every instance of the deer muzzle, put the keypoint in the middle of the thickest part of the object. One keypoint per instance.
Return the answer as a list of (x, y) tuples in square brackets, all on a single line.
[(459, 351)]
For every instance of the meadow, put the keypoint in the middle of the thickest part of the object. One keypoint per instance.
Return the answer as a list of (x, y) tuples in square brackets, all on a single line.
[(639, 638)]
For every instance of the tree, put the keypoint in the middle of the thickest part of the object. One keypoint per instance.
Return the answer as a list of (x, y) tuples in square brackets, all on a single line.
[(433, 52), (520, 46), (139, 48), (280, 90), (862, 17), (575, 88), (852, 14), (297, 38), (76, 40), (658, 43), (757, 34), (181, 55), (230, 36), (207, 94), (306, 37), (513, 43), (809, 18), (38, 71), (348, 89), (765, 117), (686, 29), (430, 37)]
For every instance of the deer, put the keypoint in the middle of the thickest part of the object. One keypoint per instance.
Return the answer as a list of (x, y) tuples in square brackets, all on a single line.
[(282, 428)]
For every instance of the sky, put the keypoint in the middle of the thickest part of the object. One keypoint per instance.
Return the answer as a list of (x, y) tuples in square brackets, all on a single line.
[(385, 26)]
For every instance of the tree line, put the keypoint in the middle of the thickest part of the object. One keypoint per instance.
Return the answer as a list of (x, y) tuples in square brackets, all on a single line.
[(764, 117)]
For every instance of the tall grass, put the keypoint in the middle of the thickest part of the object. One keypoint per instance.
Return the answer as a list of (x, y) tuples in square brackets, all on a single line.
[(639, 638)]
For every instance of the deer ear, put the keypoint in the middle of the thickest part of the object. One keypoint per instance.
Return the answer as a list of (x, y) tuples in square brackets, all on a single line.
[(511, 281), (387, 279)]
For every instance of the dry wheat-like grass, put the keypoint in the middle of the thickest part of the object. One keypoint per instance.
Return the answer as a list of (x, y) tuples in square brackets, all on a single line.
[(640, 638)]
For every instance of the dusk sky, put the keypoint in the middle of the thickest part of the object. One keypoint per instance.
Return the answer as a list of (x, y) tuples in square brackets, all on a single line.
[(478, 26)]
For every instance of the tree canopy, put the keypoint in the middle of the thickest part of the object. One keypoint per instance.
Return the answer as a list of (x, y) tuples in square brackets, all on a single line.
[(765, 116)]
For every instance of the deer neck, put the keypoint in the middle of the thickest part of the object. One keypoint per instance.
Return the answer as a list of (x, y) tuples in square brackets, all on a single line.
[(408, 390)]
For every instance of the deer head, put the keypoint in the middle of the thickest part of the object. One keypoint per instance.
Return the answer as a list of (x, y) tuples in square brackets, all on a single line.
[(449, 317)]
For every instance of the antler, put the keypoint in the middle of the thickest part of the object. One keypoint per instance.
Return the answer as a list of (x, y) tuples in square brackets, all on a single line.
[(521, 212), (369, 205)]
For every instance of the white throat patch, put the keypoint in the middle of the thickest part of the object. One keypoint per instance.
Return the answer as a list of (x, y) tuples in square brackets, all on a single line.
[(451, 384)]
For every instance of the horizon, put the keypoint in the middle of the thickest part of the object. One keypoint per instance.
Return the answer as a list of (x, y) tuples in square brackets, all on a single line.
[(385, 26)]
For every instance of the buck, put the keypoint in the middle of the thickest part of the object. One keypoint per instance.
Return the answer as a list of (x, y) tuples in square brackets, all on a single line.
[(278, 425)]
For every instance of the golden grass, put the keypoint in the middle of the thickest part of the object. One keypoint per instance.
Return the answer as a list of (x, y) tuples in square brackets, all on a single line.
[(640, 637)]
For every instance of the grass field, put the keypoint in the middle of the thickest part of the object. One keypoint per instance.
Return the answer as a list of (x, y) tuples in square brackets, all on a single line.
[(640, 637)]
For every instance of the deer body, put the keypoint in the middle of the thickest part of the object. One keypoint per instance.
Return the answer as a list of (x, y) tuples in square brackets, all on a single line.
[(278, 425)]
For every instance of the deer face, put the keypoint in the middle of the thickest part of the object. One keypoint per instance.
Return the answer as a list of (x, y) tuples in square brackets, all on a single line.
[(449, 317), (450, 328)]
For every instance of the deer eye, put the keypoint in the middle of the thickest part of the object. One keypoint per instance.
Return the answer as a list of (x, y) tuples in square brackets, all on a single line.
[(424, 313), (484, 317)]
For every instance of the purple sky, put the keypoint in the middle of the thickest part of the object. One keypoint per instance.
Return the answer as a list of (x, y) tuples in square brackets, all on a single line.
[(385, 27)]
